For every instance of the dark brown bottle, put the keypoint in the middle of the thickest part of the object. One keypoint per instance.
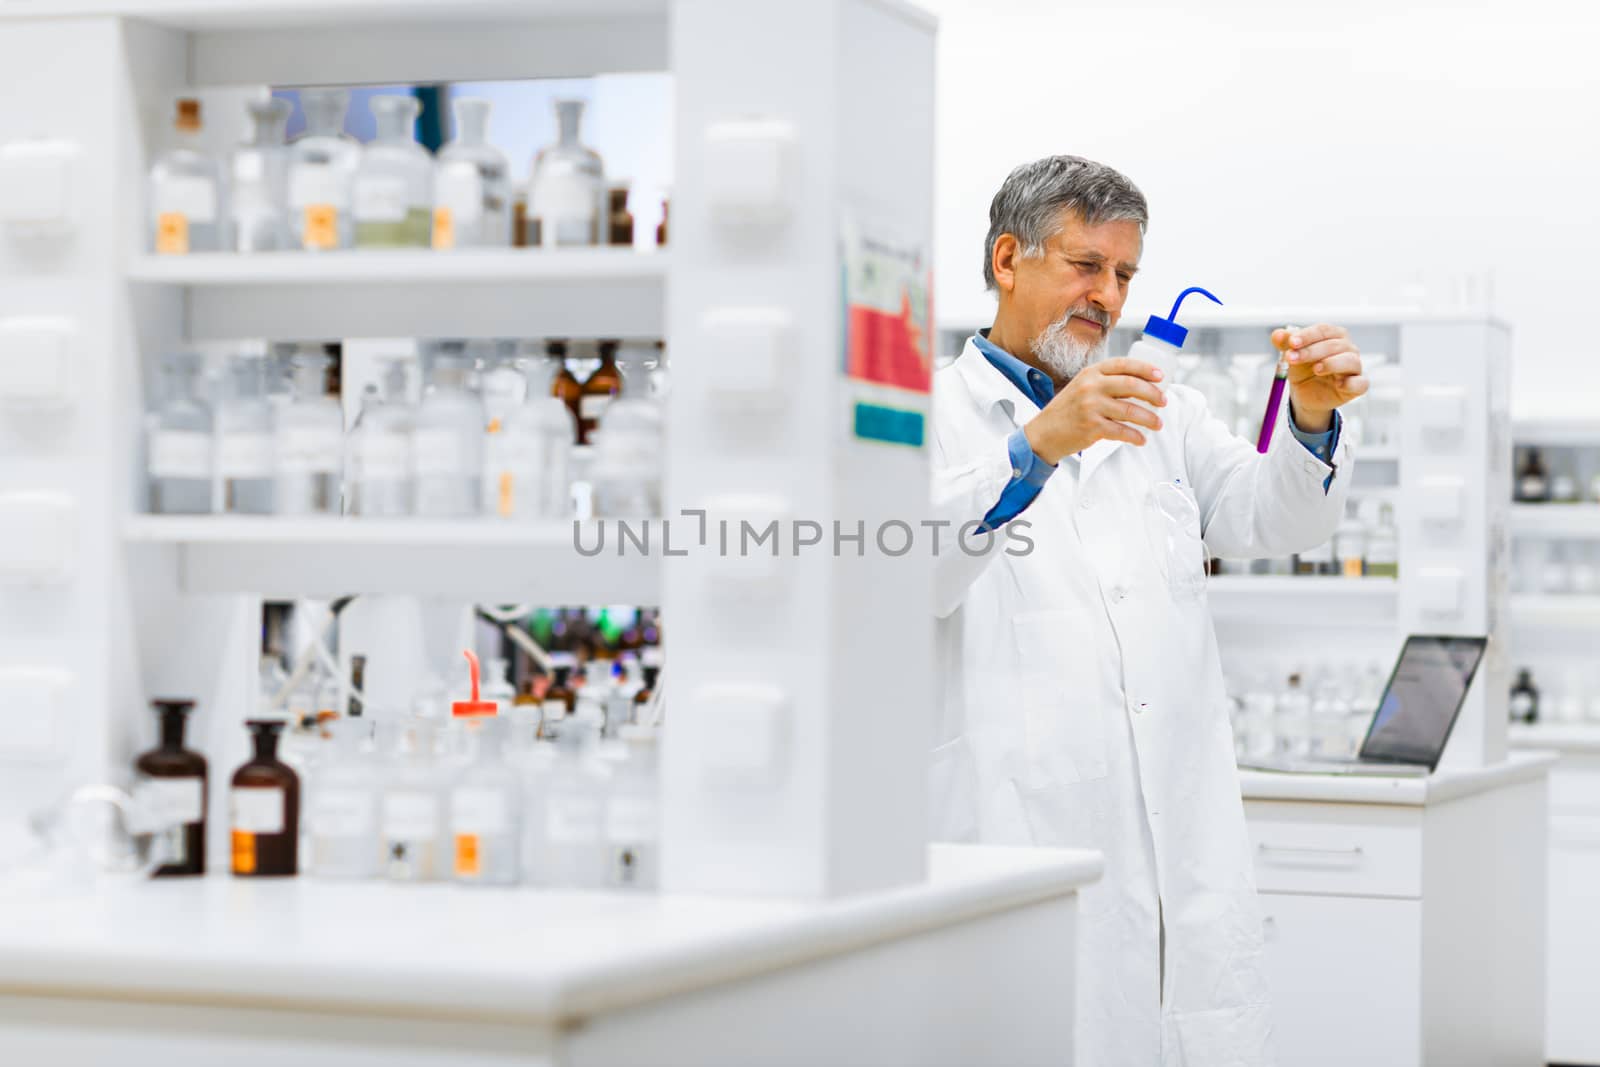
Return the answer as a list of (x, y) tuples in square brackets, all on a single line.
[(265, 808), (604, 384), (651, 676), (560, 698), (563, 386), (661, 230), (619, 220), (172, 784)]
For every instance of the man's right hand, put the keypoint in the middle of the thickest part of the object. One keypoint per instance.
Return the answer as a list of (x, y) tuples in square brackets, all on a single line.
[(1096, 406)]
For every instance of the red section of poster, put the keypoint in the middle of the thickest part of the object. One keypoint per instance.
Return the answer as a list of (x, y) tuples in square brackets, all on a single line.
[(889, 349)]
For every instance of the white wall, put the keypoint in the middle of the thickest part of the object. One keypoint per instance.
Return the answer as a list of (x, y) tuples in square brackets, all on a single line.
[(1331, 153)]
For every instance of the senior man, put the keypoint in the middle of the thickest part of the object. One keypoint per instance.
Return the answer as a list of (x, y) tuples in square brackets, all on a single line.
[(1082, 695)]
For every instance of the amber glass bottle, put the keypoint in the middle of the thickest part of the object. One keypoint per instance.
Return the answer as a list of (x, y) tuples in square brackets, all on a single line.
[(563, 386), (172, 785), (265, 807), (645, 695), (604, 384)]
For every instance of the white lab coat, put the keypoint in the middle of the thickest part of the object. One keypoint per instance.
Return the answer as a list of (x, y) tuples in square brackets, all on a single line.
[(1082, 700)]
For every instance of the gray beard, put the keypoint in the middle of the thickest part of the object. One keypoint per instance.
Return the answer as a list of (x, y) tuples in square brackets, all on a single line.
[(1063, 355)]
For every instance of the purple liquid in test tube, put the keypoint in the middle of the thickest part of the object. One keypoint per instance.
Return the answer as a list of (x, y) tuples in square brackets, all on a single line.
[(1274, 401)]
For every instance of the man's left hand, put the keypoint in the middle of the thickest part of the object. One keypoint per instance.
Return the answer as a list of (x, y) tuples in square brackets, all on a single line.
[(1324, 373)]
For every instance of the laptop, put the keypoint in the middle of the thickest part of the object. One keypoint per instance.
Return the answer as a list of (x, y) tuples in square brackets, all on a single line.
[(1413, 721)]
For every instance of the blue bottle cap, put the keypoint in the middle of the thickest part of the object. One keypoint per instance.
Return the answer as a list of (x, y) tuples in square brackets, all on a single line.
[(1167, 329)]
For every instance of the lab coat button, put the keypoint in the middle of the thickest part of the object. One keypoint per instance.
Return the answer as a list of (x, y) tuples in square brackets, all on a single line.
[(1119, 594), (1312, 467), (1016, 472), (1086, 503)]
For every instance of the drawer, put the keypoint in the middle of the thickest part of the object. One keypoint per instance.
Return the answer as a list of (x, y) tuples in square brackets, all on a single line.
[(1575, 785), (1356, 850)]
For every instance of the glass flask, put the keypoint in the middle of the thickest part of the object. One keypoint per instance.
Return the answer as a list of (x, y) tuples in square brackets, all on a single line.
[(565, 187), (626, 472), (484, 806), (472, 184), (264, 808), (322, 168), (394, 181), (526, 472), (309, 441), (448, 443), (633, 813), (172, 785), (342, 806), (259, 170), (188, 198), (380, 450), (180, 442), (244, 438), (411, 818)]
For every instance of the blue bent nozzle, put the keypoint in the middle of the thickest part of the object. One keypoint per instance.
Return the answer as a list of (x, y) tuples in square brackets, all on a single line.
[(1167, 329)]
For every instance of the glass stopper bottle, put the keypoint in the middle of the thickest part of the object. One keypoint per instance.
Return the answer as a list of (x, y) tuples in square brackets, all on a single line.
[(309, 441), (342, 806), (265, 808), (259, 170), (598, 389), (394, 181), (565, 186), (472, 184), (322, 167), (380, 451), (448, 444), (180, 441), (188, 198), (172, 787), (633, 813), (411, 815), (527, 469), (626, 472), (244, 437)]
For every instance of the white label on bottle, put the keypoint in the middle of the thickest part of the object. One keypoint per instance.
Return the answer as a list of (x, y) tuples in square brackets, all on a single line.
[(245, 455), (312, 184), (566, 210), (592, 408), (381, 457), (343, 812), (257, 809), (632, 820), (572, 818), (380, 199), (459, 189), (192, 197), (480, 811), (180, 454), (248, 167), (171, 801), (410, 816), (1521, 706), (308, 450), (439, 452)]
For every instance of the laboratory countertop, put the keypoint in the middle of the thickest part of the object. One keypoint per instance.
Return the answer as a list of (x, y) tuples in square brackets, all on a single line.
[(1445, 784), (448, 952), (1564, 738)]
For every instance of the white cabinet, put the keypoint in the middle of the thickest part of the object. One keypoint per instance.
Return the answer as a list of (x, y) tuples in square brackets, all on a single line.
[(1316, 946)]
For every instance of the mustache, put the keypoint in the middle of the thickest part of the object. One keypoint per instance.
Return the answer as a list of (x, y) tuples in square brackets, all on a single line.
[(1085, 311)]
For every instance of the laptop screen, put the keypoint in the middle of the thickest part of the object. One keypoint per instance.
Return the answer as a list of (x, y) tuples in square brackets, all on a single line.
[(1423, 698)]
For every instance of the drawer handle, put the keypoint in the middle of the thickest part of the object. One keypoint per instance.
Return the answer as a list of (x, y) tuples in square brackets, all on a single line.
[(1353, 852)]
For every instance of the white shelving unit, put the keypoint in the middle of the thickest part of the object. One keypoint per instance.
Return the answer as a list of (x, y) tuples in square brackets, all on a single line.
[(1351, 601), (1556, 522)]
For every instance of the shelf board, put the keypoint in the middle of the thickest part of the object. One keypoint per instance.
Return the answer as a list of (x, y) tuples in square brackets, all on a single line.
[(1540, 609), (1377, 453), (483, 559), (1337, 601), (276, 14), (1561, 736), (1556, 520), (586, 292), (1573, 432)]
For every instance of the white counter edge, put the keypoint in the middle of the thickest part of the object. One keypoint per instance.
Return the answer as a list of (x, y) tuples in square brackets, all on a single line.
[(965, 883), (1444, 785)]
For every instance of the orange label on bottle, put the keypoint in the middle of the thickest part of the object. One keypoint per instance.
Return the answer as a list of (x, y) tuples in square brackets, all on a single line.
[(444, 228), (322, 226), (469, 858), (244, 852), (172, 233), (508, 501)]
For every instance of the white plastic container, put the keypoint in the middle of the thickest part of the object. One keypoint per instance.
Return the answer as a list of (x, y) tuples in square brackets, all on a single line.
[(1162, 341)]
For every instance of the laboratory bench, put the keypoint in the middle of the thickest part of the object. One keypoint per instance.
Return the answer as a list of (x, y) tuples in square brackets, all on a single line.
[(1572, 975), (1405, 917), (975, 964)]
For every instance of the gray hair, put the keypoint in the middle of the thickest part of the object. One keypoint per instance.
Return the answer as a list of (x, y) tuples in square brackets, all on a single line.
[(1030, 203)]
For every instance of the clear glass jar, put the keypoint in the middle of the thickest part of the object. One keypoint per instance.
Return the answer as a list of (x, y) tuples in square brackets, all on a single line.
[(411, 818), (259, 170), (322, 168), (527, 467), (179, 441), (342, 806), (1294, 719), (628, 447), (485, 807), (565, 187), (245, 438), (394, 182), (381, 480), (188, 197), (448, 443), (472, 184), (633, 812), (309, 441)]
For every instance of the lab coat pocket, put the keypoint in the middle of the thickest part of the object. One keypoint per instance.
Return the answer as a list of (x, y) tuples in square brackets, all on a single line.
[(953, 792), (1060, 696), (1172, 521)]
